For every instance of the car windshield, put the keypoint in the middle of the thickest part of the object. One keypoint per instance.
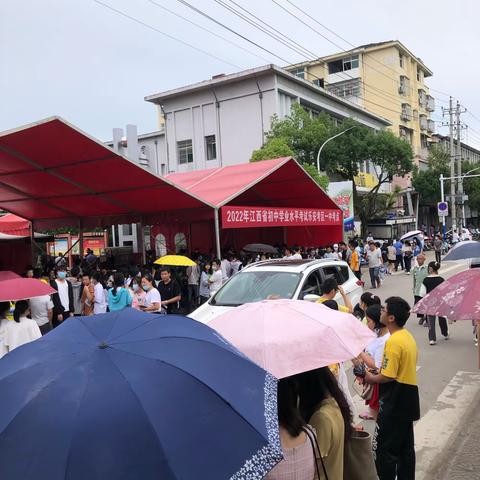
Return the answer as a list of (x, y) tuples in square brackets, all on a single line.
[(254, 286)]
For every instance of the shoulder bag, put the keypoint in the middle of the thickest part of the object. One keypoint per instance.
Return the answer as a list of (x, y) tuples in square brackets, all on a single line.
[(316, 451), (358, 463)]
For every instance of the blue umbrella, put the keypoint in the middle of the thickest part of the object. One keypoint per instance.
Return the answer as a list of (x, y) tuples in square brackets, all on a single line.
[(463, 251), (131, 395)]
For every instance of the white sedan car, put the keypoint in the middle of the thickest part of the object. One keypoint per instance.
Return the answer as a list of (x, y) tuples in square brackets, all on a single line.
[(295, 279)]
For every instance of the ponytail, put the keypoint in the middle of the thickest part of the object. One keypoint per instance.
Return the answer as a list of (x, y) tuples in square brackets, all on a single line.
[(118, 281), (20, 308), (435, 266)]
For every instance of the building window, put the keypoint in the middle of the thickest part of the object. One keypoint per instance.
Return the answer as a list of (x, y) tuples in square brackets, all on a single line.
[(401, 60), (404, 86), (180, 243), (319, 82), (127, 229), (344, 64), (350, 88), (160, 245), (185, 152), (419, 75), (298, 72), (211, 147)]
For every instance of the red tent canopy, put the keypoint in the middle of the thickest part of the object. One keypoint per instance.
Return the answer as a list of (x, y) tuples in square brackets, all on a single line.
[(278, 182), (50, 170), (14, 225)]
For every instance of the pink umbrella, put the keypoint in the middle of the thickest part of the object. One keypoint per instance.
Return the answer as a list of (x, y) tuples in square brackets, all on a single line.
[(457, 298), (7, 275), (23, 289), (287, 337)]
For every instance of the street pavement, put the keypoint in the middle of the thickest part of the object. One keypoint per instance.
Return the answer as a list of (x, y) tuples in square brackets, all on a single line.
[(449, 385)]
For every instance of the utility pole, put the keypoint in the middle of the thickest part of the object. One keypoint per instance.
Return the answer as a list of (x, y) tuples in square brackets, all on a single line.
[(453, 206)]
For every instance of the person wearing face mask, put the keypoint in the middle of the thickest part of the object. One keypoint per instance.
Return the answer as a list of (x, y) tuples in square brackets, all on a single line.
[(152, 302), (216, 277), (63, 305), (137, 293)]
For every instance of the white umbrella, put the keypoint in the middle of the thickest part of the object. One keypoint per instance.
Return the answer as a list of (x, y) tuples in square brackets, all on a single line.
[(413, 233)]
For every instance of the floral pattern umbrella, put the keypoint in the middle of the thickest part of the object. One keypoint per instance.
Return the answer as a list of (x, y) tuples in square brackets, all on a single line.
[(458, 298)]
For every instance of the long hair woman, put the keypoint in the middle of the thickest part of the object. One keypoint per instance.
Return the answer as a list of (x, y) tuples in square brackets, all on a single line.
[(118, 296), (430, 282), (22, 330), (324, 407), (298, 450)]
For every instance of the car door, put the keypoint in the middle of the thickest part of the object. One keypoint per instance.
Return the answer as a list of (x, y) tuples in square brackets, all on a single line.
[(311, 285)]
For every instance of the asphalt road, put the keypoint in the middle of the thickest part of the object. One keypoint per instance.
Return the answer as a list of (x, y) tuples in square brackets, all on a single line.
[(449, 385)]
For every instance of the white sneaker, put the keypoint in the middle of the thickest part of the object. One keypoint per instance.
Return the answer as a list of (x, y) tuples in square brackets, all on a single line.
[(447, 336), (432, 342)]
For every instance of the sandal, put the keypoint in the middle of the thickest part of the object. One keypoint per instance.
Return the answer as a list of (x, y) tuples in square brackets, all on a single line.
[(365, 416)]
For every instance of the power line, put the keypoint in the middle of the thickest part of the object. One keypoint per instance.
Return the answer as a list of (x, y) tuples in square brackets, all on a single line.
[(208, 30), (171, 37), (341, 38), (372, 89), (281, 37), (195, 9)]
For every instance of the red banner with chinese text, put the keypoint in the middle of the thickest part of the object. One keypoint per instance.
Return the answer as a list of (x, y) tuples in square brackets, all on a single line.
[(248, 217)]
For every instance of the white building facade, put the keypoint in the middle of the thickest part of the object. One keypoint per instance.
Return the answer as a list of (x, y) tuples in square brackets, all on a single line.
[(220, 122)]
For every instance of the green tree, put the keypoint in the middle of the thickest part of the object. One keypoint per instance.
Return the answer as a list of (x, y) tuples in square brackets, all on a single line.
[(341, 158), (322, 180), (277, 147), (273, 148), (471, 186), (427, 182)]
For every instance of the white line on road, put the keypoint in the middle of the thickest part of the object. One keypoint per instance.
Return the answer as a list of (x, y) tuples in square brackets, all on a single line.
[(436, 427)]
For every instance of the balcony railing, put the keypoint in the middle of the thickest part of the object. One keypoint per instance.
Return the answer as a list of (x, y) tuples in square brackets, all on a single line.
[(423, 122), (430, 103), (431, 126), (406, 114)]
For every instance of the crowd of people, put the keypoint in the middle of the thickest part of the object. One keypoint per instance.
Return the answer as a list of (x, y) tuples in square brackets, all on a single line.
[(315, 408)]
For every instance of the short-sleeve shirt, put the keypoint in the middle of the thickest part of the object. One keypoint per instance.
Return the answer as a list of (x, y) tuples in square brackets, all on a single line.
[(168, 291), (374, 258), (151, 297), (340, 308), (39, 307), (354, 261), (399, 398)]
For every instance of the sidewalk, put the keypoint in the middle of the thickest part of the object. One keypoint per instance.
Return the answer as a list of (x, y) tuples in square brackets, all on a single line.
[(461, 458)]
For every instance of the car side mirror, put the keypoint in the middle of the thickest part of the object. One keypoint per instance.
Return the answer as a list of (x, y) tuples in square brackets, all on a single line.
[(311, 297)]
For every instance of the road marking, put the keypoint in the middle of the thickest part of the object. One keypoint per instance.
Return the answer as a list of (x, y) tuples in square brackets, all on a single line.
[(436, 427)]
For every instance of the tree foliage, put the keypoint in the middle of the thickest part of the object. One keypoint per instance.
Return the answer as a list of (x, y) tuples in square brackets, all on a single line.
[(277, 147), (471, 186), (427, 182), (273, 148), (341, 157)]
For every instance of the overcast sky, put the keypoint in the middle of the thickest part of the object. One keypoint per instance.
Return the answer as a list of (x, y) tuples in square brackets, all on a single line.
[(92, 66)]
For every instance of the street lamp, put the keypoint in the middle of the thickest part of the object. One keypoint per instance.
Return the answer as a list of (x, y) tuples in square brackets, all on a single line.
[(325, 142)]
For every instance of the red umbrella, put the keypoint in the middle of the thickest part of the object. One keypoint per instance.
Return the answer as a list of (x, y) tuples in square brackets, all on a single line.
[(457, 298), (7, 275), (23, 289)]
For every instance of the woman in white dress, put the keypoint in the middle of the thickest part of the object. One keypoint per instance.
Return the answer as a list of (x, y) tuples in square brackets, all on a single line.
[(19, 331)]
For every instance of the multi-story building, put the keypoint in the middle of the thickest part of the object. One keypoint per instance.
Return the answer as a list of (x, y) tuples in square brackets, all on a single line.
[(467, 153), (220, 121), (385, 78)]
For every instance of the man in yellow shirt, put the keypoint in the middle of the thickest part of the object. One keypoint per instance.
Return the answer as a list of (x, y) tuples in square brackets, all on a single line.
[(355, 259), (329, 288), (393, 441)]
